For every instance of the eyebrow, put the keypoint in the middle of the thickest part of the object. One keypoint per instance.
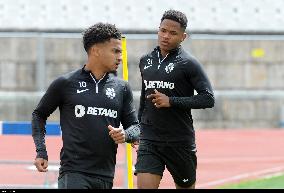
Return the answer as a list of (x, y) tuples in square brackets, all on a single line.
[(168, 30)]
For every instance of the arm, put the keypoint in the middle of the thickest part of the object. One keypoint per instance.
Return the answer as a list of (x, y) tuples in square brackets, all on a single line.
[(47, 105), (201, 83), (129, 135), (132, 133), (38, 134), (142, 93), (201, 100), (142, 102), (128, 120)]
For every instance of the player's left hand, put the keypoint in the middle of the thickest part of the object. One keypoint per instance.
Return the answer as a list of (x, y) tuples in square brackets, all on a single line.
[(117, 134), (159, 99)]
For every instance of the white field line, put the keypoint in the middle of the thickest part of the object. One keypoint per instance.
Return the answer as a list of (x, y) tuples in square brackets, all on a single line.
[(273, 175), (241, 176), (237, 159), (278, 171)]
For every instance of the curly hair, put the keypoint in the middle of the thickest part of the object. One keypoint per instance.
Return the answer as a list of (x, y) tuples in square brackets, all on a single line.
[(99, 33), (176, 16)]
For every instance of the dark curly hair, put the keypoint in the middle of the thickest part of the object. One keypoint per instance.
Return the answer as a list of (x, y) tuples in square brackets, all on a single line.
[(99, 33), (176, 16)]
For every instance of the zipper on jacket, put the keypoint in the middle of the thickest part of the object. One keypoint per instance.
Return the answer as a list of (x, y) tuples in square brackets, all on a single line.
[(160, 61), (97, 83)]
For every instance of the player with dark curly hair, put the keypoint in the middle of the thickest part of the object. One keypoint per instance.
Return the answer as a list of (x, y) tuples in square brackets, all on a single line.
[(169, 77), (92, 104)]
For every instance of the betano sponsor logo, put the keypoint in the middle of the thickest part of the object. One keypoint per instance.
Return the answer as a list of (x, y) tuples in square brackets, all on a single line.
[(80, 111), (158, 84)]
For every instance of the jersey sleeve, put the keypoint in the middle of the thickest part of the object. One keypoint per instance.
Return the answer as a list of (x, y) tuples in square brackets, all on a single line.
[(198, 78), (47, 105), (142, 95), (128, 117), (142, 102), (132, 133)]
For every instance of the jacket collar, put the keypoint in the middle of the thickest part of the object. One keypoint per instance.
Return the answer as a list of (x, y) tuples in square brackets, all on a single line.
[(88, 72), (173, 51)]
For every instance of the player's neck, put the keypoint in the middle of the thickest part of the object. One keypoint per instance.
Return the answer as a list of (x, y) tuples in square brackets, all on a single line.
[(164, 53), (96, 70)]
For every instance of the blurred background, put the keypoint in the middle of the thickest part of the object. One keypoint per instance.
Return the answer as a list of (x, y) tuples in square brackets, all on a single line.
[(240, 44)]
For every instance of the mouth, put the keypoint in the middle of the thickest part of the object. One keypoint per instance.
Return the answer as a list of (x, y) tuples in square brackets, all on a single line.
[(117, 65), (164, 43)]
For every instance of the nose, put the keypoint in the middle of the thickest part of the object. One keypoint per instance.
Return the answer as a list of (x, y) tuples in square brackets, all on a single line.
[(119, 59), (165, 35)]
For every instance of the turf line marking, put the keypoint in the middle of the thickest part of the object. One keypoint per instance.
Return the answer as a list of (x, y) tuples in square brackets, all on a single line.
[(236, 159), (239, 177)]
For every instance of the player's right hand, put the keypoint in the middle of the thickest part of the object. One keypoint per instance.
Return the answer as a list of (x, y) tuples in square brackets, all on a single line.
[(41, 164), (117, 134), (134, 144), (159, 99)]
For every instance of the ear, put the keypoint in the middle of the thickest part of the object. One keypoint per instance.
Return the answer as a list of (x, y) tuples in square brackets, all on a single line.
[(184, 35)]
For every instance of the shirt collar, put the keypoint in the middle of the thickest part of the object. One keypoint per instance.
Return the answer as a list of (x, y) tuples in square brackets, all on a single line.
[(87, 72), (173, 51)]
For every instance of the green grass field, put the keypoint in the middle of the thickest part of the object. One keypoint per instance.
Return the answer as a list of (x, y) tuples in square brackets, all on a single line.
[(274, 182)]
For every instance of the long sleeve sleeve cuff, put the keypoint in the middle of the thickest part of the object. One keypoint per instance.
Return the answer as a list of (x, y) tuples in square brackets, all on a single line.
[(42, 154)]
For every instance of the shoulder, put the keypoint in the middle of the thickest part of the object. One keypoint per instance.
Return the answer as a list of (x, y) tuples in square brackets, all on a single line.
[(118, 81), (148, 55), (61, 81), (147, 59), (72, 74), (121, 87), (190, 60)]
